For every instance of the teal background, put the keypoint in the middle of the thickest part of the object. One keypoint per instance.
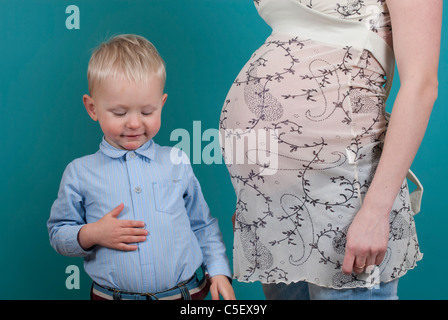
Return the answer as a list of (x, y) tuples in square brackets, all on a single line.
[(205, 43)]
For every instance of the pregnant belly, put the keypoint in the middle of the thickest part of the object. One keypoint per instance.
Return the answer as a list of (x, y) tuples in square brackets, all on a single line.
[(308, 93)]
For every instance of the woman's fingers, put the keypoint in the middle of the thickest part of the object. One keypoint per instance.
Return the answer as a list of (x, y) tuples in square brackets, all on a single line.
[(349, 260), (360, 265)]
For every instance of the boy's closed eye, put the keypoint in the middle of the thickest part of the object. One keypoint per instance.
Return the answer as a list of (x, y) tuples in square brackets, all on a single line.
[(122, 114), (118, 112)]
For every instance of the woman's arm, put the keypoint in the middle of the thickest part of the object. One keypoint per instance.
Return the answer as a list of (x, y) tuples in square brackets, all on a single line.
[(416, 28)]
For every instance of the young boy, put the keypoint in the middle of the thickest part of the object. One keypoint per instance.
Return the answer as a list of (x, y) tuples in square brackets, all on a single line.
[(140, 222)]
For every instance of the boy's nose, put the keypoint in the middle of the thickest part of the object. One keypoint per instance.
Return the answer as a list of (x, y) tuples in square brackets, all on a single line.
[(133, 122)]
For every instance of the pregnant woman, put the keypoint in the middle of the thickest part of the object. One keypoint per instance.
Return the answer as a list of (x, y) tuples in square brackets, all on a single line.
[(334, 220)]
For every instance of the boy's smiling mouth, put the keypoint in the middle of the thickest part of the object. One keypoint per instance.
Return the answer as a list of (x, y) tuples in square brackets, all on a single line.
[(133, 136)]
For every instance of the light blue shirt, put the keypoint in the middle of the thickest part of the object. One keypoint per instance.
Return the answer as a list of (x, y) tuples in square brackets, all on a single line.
[(166, 196)]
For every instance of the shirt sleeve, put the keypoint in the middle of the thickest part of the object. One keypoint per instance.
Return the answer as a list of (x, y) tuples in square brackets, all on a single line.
[(206, 228), (67, 216)]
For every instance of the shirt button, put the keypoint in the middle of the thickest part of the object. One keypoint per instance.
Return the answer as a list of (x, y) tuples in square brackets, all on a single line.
[(138, 189), (132, 155)]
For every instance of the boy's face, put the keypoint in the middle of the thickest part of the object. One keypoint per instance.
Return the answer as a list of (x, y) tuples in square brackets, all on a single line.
[(129, 113)]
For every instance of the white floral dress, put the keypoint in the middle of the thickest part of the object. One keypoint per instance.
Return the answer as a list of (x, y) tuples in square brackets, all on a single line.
[(320, 83)]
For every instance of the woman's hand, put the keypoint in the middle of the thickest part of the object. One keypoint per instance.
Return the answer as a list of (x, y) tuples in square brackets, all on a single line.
[(367, 240)]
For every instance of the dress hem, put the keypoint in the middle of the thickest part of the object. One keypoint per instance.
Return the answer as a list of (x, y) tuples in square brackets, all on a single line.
[(329, 286)]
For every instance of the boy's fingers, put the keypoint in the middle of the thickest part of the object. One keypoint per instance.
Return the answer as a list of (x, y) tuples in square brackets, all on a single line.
[(230, 296), (135, 232), (214, 292), (132, 239), (116, 211), (125, 223), (132, 224), (226, 295), (126, 247)]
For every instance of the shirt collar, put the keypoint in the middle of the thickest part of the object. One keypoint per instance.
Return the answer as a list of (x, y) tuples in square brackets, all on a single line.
[(147, 150)]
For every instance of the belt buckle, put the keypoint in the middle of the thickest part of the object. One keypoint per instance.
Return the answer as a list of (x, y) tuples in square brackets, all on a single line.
[(150, 296)]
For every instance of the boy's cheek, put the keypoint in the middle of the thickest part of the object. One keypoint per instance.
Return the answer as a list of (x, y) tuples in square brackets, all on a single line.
[(154, 129), (111, 127)]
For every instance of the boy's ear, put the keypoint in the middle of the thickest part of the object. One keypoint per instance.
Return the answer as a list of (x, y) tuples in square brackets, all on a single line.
[(164, 97), (90, 107)]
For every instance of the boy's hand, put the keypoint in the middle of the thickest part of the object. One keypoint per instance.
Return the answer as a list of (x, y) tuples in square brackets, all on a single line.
[(112, 233), (220, 285)]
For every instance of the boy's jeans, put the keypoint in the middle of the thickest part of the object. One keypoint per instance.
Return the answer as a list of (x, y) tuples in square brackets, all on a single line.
[(308, 291)]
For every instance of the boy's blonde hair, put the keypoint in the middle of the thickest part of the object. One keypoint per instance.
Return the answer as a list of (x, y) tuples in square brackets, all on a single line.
[(128, 57)]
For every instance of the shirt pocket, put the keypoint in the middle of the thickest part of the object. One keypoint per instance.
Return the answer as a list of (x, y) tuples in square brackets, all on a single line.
[(168, 196)]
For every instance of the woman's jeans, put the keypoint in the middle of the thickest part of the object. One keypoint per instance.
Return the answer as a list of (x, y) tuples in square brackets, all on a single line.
[(308, 291)]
